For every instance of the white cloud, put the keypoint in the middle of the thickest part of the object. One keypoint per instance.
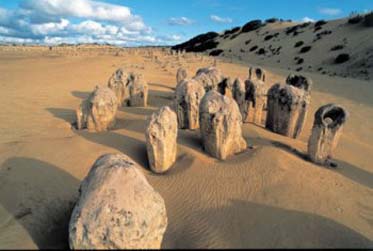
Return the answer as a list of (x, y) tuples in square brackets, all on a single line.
[(47, 28), (330, 11), (180, 21), (307, 19), (55, 21), (218, 19)]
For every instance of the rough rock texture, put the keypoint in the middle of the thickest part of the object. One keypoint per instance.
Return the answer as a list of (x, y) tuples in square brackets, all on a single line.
[(304, 84), (239, 94), (285, 104), (255, 99), (300, 82), (225, 87), (181, 75), (117, 208), (257, 73), (161, 135), (119, 83), (209, 77), (189, 94), (221, 122), (138, 91), (326, 131), (97, 112)]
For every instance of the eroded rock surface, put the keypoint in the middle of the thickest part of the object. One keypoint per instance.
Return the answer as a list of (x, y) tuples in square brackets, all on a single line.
[(285, 113), (326, 131), (119, 83), (161, 135), (138, 89), (117, 208), (98, 111), (189, 94), (220, 122)]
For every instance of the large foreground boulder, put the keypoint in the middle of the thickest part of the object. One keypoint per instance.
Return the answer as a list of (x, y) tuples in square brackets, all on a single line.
[(119, 83), (98, 111), (117, 208), (189, 94), (161, 135), (285, 104), (220, 122), (138, 89), (326, 131)]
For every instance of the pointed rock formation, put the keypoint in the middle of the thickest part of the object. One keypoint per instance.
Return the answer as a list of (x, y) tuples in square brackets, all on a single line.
[(161, 135), (98, 111), (326, 131), (117, 208), (189, 94), (181, 75), (138, 91), (239, 95), (255, 99), (118, 82), (305, 84), (220, 122)]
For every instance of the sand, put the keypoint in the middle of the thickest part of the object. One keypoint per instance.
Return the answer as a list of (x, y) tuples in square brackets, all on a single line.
[(268, 196)]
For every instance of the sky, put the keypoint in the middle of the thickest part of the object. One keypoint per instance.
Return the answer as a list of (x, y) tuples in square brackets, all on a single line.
[(151, 22)]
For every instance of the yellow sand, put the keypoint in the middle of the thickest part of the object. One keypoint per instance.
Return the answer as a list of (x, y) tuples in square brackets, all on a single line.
[(268, 196)]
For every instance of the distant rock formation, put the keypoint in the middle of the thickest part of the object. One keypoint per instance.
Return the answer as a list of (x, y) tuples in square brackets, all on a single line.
[(326, 131), (161, 135), (189, 94), (220, 122), (98, 111), (117, 208)]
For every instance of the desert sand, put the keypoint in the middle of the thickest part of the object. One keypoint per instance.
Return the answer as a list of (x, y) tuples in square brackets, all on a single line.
[(269, 196)]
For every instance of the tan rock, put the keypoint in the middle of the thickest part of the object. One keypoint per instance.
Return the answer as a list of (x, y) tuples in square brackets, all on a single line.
[(220, 122), (257, 74), (189, 94), (326, 131), (255, 99), (161, 135), (209, 77), (225, 87), (98, 111), (138, 90), (181, 75), (285, 106), (117, 208), (119, 83), (239, 95), (304, 84)]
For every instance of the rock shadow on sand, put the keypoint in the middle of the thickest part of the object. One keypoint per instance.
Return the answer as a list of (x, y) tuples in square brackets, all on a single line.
[(67, 115), (134, 148), (346, 169), (40, 196), (243, 224)]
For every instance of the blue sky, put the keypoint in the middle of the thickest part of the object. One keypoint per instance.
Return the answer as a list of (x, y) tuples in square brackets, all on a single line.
[(150, 22)]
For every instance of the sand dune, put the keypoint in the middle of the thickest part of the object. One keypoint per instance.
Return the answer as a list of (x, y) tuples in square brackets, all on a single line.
[(268, 196)]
